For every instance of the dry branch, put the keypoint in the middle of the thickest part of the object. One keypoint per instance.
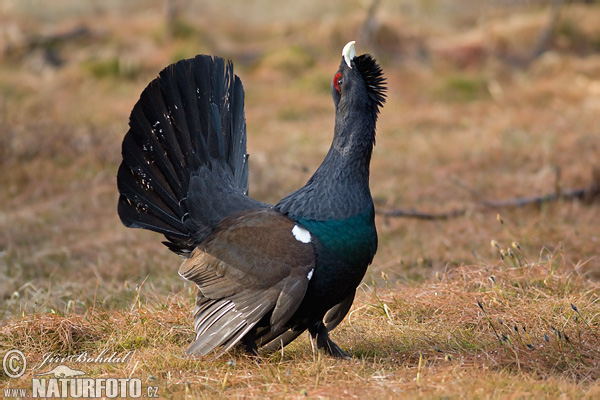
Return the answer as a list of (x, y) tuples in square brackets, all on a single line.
[(587, 194), (47, 42), (547, 32)]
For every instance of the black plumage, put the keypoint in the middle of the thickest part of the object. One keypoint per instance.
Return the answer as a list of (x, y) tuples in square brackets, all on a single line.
[(264, 273)]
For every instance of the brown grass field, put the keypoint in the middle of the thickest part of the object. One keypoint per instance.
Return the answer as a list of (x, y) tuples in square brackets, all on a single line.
[(497, 302)]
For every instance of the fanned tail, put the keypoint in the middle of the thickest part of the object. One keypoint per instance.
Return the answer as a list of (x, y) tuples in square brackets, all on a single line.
[(184, 162)]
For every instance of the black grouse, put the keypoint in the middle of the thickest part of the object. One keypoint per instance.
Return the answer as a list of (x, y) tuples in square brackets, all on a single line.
[(264, 273)]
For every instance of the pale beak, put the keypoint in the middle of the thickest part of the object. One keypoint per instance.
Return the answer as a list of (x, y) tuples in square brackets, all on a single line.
[(349, 53)]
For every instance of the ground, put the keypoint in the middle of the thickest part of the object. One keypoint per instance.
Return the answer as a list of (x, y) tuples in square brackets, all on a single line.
[(497, 302)]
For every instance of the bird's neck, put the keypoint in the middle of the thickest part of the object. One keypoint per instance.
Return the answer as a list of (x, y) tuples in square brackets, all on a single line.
[(349, 156), (336, 205), (339, 189)]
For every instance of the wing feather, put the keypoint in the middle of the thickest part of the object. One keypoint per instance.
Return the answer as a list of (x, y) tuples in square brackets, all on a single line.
[(250, 266)]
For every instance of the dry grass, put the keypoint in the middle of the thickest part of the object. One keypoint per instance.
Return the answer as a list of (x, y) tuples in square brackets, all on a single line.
[(534, 332), (461, 126)]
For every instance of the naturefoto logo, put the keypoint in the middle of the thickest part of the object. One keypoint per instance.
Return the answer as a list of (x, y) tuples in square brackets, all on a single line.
[(62, 371), (64, 381)]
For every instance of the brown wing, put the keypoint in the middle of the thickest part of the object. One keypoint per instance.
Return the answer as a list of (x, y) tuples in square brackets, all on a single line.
[(250, 265)]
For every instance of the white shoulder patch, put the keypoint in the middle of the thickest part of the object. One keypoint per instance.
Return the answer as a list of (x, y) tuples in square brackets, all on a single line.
[(301, 234), (309, 275)]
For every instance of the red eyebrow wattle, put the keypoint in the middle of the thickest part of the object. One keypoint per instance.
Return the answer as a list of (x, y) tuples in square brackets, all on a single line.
[(336, 79)]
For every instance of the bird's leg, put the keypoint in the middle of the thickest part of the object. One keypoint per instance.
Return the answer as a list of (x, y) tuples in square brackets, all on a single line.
[(319, 332), (249, 342)]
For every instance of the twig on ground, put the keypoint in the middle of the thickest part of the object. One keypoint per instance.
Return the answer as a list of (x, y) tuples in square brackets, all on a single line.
[(587, 194)]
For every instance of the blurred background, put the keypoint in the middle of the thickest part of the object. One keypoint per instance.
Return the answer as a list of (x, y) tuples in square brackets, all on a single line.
[(488, 101)]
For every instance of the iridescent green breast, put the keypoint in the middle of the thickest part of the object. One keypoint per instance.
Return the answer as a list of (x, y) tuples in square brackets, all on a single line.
[(353, 240)]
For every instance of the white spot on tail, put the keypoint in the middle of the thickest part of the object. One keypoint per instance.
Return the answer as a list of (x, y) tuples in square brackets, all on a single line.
[(301, 234), (309, 275)]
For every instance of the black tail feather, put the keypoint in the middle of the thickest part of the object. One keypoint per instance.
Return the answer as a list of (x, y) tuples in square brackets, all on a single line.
[(188, 122)]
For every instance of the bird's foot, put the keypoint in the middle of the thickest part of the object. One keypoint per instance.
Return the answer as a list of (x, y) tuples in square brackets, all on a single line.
[(321, 335), (329, 347)]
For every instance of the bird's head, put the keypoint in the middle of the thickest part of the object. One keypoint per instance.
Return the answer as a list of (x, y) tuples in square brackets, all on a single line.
[(358, 83)]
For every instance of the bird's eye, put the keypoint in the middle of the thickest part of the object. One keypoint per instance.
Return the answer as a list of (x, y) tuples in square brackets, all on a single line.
[(337, 82)]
